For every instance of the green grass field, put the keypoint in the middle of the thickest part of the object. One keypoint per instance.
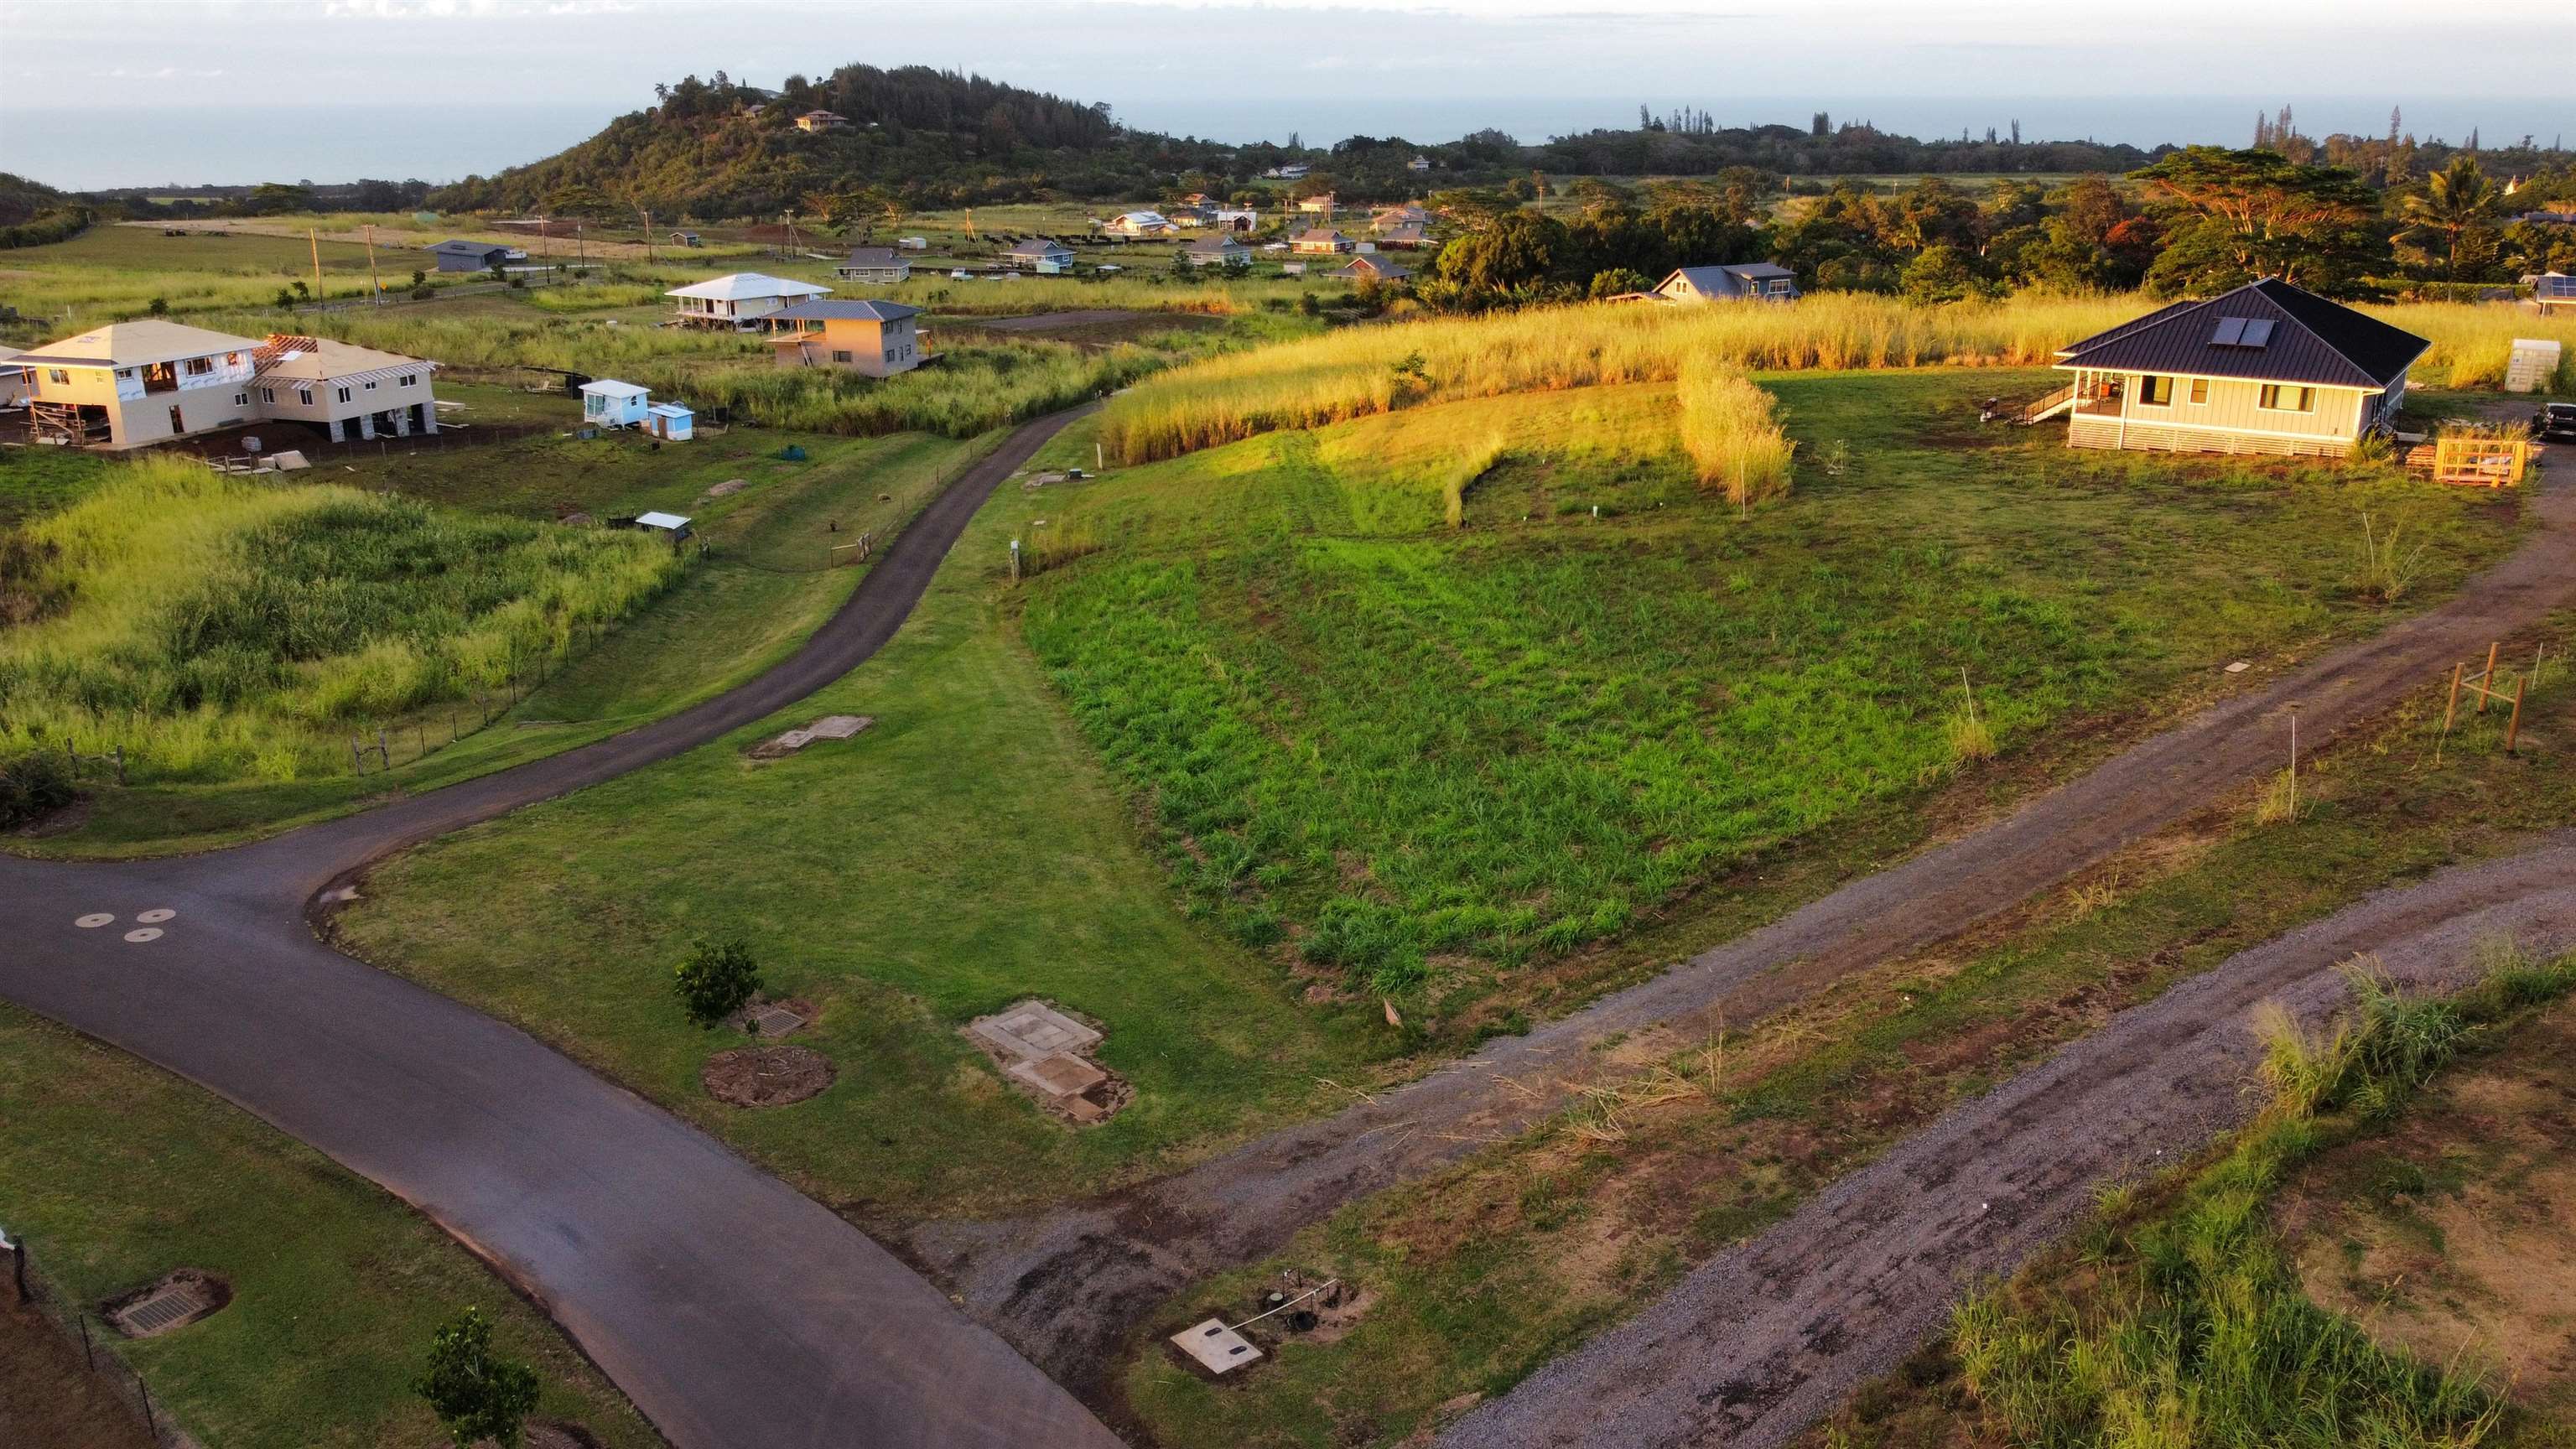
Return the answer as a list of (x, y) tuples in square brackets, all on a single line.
[(1607, 710), (119, 1174)]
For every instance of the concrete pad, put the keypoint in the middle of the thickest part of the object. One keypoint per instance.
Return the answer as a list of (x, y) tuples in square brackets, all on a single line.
[(1060, 1075), (837, 726), (1215, 1347), (1032, 1030)]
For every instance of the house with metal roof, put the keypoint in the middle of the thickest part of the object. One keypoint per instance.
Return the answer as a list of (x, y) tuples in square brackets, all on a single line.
[(1371, 268), (1043, 255), (2266, 368), (472, 256), (1319, 241), (133, 384), (883, 265), (1217, 249), (2553, 292), (878, 339), (740, 299), (1729, 282), (1137, 223)]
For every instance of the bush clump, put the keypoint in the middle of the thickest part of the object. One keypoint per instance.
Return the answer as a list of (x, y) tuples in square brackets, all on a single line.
[(32, 785), (717, 979)]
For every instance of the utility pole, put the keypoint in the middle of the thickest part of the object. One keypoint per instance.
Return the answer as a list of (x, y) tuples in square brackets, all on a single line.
[(375, 284), (314, 239), (648, 238)]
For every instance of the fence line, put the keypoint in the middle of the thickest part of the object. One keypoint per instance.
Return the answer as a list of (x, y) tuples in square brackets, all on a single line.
[(32, 1287)]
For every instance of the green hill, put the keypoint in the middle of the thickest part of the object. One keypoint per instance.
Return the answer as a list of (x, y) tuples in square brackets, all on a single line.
[(721, 149)]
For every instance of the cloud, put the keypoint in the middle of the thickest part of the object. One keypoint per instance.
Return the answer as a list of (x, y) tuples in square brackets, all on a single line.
[(167, 72)]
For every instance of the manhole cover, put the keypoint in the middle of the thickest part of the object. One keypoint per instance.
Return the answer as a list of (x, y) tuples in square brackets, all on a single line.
[(1060, 1075), (94, 920), (147, 933), (776, 1021), (155, 916), (1033, 1029)]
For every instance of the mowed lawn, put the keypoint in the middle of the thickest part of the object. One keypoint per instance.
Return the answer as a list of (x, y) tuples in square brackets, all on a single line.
[(767, 582), (963, 854), (1427, 757), (119, 1173)]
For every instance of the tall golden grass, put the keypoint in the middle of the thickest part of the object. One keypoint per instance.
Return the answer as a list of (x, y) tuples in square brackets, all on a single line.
[(1352, 372), (1731, 429)]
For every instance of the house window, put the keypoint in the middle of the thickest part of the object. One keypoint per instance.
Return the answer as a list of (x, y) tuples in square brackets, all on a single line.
[(889, 352), (268, 394), (371, 385), (344, 394), (2200, 391), (232, 359), (2280, 399), (241, 399), (841, 355), (409, 378), (2155, 392), (200, 366), (57, 376), (304, 395)]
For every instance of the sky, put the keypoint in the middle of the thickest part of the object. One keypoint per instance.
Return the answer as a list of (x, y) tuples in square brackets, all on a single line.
[(140, 92)]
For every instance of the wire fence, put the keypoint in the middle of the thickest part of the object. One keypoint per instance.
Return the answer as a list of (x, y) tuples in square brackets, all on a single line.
[(33, 1288)]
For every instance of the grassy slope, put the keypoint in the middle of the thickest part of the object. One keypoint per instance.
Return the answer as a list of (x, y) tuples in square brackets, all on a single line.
[(730, 616), (1482, 1274), (1618, 709), (119, 1174), (963, 854)]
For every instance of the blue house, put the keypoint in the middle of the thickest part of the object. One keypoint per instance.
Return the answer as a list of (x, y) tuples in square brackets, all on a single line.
[(609, 403), (1040, 255)]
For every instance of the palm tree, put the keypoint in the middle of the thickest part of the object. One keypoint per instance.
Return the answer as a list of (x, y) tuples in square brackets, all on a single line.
[(2457, 200)]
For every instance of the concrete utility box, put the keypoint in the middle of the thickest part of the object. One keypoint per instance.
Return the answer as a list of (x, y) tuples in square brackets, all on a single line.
[(1215, 1347), (2534, 363)]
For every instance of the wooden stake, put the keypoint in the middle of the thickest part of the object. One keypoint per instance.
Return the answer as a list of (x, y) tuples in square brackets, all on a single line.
[(2486, 680), (2452, 710), (2513, 726)]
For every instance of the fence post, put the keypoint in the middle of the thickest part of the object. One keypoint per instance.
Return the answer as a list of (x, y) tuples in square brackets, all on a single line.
[(357, 761), (2513, 726), (120, 763)]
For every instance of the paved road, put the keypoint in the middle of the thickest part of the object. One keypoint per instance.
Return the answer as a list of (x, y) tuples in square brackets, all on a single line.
[(1763, 1340), (732, 1310), (1066, 1285)]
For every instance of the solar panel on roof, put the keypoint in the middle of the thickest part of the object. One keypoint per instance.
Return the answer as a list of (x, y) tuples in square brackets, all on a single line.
[(2258, 331), (2230, 331)]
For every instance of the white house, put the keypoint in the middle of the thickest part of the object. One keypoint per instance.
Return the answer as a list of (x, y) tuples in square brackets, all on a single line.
[(1137, 223), (609, 403), (13, 380), (739, 299), (132, 384), (350, 393), (882, 265), (1217, 249)]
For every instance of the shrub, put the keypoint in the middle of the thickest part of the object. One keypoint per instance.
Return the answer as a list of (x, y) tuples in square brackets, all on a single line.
[(1731, 429), (477, 1395), (32, 785), (718, 979)]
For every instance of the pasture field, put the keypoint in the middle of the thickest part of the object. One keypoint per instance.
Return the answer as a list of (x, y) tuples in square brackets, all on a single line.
[(1360, 371), (1620, 691), (722, 620), (1478, 1276), (110, 273), (119, 1173)]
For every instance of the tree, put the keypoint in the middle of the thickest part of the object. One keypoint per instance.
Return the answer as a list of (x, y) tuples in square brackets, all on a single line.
[(2458, 200), (716, 979), (2233, 216), (274, 198), (1942, 273), (476, 1394), (1516, 252)]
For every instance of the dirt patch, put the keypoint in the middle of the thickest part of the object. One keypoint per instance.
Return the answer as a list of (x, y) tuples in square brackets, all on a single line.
[(48, 1396), (2450, 1236), (766, 1076), (1048, 1053)]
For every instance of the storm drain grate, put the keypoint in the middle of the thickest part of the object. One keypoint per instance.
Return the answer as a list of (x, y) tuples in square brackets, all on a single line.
[(162, 1311), (777, 1021)]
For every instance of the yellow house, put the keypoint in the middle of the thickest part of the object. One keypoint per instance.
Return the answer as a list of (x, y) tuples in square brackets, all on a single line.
[(879, 339), (133, 384), (2267, 368)]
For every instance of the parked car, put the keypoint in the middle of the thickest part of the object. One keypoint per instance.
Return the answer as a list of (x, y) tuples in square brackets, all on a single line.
[(2555, 421)]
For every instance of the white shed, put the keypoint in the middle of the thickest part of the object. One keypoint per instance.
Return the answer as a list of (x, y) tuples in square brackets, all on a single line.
[(609, 403), (671, 422)]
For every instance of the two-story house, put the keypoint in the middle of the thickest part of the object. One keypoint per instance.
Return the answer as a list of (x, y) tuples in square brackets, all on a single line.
[(879, 339), (739, 300)]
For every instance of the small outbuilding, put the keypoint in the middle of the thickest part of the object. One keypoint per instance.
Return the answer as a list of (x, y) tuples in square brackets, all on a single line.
[(2553, 292), (473, 256), (609, 403), (672, 524), (671, 422)]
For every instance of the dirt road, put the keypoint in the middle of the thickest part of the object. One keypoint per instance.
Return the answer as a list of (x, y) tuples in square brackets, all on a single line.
[(1064, 1286), (1760, 1342)]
